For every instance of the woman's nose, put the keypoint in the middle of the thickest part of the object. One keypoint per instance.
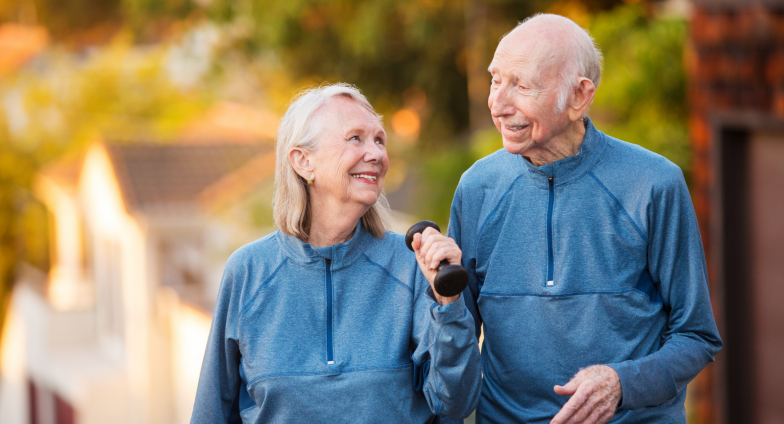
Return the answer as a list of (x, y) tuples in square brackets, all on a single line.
[(374, 153)]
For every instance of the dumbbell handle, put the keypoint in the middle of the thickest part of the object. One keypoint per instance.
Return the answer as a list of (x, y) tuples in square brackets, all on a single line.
[(450, 280)]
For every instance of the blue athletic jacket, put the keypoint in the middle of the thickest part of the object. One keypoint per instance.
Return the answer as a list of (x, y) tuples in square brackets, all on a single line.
[(346, 333), (593, 259)]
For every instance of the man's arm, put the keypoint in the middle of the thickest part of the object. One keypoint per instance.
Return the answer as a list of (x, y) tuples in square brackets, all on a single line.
[(676, 262)]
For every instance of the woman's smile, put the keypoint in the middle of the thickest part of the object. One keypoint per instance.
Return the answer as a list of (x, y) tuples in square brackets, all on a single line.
[(366, 177)]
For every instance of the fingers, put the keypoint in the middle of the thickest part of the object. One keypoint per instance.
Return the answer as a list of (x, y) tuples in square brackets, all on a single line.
[(435, 247), (593, 411), (570, 388), (575, 404), (595, 393), (417, 243)]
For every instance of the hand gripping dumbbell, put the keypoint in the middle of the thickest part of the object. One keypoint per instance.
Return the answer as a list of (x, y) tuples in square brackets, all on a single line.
[(450, 279)]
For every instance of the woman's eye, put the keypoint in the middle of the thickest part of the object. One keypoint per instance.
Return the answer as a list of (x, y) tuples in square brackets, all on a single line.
[(379, 141), (354, 137)]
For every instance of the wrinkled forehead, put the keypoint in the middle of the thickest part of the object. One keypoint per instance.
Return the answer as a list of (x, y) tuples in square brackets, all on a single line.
[(341, 114), (531, 50)]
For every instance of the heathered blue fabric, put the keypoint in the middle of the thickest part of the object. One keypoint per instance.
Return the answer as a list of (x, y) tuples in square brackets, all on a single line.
[(630, 287), (398, 355)]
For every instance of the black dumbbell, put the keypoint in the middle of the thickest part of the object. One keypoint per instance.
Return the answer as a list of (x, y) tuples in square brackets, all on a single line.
[(450, 279)]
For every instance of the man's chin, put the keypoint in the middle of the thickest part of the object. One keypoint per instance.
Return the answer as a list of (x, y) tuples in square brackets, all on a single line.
[(516, 147)]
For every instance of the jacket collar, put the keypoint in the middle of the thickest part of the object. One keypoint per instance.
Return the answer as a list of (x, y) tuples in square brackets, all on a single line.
[(341, 255), (568, 170)]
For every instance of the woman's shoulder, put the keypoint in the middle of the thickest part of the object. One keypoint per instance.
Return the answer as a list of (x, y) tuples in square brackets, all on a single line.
[(390, 252), (392, 244), (258, 254)]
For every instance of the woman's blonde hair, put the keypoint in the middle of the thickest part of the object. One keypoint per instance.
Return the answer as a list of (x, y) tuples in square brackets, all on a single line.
[(300, 127)]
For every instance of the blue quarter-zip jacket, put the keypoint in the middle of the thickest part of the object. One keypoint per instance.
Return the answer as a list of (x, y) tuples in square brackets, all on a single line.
[(593, 259), (345, 333)]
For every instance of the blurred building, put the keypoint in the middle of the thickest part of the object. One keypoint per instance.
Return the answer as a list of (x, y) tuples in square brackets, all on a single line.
[(115, 333), (19, 44), (736, 89)]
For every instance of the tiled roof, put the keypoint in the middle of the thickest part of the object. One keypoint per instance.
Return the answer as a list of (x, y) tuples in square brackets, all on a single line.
[(152, 176)]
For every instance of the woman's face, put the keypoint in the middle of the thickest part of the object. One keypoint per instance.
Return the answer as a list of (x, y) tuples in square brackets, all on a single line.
[(351, 160)]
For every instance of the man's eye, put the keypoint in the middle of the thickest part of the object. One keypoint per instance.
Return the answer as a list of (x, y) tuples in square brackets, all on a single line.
[(354, 137), (380, 141)]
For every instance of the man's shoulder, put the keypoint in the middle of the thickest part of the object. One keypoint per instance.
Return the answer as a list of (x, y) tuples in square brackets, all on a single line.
[(637, 164), (490, 168)]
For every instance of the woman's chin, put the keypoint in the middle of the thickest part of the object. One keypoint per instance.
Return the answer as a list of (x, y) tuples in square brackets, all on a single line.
[(367, 200)]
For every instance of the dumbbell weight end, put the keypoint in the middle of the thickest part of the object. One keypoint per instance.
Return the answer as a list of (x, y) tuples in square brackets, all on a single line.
[(450, 279)]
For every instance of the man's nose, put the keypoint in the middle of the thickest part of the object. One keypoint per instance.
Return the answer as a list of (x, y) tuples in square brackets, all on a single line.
[(499, 102)]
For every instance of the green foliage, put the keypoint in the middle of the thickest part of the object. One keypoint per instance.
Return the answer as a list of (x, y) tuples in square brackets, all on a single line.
[(642, 96), (384, 47)]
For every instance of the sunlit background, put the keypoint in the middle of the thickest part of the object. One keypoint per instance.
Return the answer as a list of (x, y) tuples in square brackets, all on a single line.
[(137, 152)]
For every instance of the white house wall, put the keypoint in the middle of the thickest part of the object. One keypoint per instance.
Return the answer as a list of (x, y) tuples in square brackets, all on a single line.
[(110, 223)]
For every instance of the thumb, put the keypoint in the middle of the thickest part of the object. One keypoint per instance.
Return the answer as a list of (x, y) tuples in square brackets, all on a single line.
[(417, 242), (569, 388)]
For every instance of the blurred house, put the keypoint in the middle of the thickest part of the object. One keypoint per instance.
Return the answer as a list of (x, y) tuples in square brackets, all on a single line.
[(19, 44), (140, 233), (115, 333), (736, 89)]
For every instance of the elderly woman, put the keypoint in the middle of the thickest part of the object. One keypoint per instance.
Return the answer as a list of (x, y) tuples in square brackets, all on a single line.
[(330, 319)]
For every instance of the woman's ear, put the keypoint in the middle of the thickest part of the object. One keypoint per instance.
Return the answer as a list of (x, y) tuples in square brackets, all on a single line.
[(302, 162)]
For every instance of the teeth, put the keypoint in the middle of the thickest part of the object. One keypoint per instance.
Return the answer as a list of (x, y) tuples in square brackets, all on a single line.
[(367, 177), (516, 127)]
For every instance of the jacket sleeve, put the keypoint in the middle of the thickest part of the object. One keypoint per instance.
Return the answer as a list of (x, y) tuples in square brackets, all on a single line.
[(218, 392), (447, 366), (461, 232), (676, 262)]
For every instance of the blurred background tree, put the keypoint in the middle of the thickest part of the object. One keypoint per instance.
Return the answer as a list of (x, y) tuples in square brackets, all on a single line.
[(55, 108), (143, 68)]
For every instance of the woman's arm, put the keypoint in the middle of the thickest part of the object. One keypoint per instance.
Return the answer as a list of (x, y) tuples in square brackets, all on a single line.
[(218, 393), (447, 354)]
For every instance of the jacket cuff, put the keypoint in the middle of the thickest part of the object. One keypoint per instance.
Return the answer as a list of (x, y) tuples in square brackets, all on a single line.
[(445, 314), (624, 375)]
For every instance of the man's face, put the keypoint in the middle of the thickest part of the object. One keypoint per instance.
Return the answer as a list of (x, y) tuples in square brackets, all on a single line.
[(524, 91)]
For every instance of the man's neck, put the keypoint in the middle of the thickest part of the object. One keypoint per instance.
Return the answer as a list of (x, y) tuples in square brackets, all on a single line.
[(564, 145)]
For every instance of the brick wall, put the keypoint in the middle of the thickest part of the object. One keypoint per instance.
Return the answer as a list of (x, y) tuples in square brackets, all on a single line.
[(735, 62)]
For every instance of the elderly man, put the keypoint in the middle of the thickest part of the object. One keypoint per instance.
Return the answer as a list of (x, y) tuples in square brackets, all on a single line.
[(585, 259)]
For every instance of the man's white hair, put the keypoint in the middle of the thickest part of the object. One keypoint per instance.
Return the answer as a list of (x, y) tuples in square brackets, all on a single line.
[(301, 126), (584, 59)]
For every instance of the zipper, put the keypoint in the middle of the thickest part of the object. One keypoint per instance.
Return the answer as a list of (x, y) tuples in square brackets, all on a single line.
[(330, 359), (550, 281)]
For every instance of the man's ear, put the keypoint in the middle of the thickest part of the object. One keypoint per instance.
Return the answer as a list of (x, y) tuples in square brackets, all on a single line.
[(582, 97), (302, 162)]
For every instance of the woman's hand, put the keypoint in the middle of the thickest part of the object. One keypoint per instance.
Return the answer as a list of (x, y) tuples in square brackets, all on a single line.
[(431, 248)]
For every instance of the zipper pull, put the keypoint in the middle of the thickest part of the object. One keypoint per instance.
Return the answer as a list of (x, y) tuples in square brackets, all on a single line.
[(329, 261), (550, 179)]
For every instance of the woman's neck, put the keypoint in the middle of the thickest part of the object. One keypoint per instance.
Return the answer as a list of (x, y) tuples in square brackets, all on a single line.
[(333, 223)]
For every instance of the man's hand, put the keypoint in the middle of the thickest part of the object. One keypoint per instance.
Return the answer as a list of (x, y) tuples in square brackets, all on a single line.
[(595, 393), (431, 248)]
